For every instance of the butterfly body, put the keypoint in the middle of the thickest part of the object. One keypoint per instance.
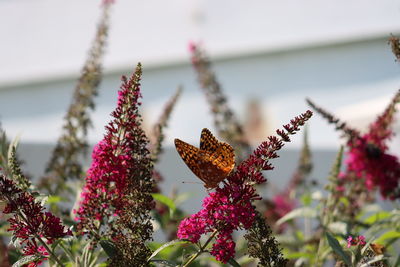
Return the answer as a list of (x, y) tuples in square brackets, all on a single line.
[(212, 162)]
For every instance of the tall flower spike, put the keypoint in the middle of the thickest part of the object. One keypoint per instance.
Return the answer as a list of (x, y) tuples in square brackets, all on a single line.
[(304, 166), (262, 245), (65, 162), (367, 155), (116, 200), (226, 123), (157, 134), (156, 143), (9, 163), (349, 132), (395, 44), (22, 181), (231, 207), (284, 201), (4, 146)]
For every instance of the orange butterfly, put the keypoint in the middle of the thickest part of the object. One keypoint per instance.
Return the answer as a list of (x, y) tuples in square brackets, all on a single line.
[(377, 248), (212, 162)]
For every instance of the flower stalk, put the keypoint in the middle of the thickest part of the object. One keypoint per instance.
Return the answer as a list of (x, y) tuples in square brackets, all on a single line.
[(201, 249)]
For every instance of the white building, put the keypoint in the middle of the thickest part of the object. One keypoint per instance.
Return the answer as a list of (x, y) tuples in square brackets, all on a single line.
[(278, 52)]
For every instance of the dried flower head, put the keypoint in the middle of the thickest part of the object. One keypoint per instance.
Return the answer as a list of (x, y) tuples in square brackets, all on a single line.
[(157, 134), (66, 159), (395, 44), (262, 245), (227, 125)]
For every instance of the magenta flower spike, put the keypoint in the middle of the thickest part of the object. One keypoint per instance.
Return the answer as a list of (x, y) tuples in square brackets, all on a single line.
[(230, 207)]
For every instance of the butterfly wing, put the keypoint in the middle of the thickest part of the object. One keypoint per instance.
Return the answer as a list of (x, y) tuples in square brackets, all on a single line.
[(224, 158), (191, 155), (208, 142), (212, 163)]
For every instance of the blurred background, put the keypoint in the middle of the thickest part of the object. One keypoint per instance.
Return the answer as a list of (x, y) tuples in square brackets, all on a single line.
[(268, 55)]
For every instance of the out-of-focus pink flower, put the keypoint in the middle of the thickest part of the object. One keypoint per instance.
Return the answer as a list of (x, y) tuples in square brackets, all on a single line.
[(283, 205), (368, 157), (280, 205), (108, 2), (356, 241)]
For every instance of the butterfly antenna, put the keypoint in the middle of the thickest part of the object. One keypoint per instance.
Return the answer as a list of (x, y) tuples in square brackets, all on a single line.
[(191, 182)]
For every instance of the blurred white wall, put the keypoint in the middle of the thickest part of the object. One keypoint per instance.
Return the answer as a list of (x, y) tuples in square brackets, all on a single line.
[(279, 52)]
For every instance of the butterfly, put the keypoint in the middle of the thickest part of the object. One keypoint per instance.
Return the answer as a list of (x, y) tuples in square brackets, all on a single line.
[(377, 248), (212, 162)]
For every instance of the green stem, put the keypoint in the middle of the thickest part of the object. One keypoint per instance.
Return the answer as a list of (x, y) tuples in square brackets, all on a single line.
[(201, 250), (67, 251)]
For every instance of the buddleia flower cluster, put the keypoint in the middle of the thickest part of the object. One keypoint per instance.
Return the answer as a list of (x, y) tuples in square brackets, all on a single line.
[(368, 158), (230, 207), (116, 200), (35, 228)]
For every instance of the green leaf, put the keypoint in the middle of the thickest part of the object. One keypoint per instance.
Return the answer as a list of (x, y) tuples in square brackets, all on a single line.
[(234, 263), (345, 201), (53, 199), (299, 235), (397, 263), (165, 262), (377, 217), (306, 199), (26, 260), (337, 248), (304, 212), (245, 260), (108, 247), (388, 235), (166, 201), (168, 244), (297, 255)]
